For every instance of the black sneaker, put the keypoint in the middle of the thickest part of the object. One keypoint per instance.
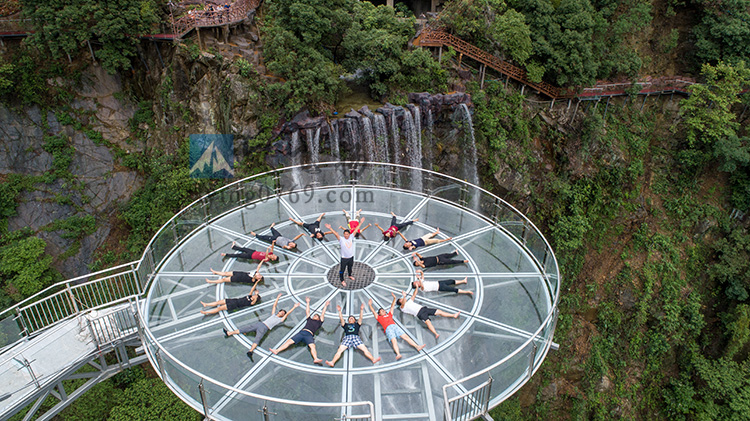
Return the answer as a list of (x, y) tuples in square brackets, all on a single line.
[(226, 332), (250, 355)]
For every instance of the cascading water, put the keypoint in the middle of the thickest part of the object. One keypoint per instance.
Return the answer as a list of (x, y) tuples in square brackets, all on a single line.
[(313, 144), (470, 158), (429, 158), (413, 146), (381, 138), (296, 155), (369, 139), (395, 136), (334, 138)]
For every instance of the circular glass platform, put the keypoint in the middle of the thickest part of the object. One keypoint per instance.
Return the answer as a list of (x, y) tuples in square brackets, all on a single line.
[(504, 329)]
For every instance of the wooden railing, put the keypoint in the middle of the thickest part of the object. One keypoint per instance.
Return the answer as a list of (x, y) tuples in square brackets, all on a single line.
[(434, 38), (15, 26), (236, 12), (431, 37)]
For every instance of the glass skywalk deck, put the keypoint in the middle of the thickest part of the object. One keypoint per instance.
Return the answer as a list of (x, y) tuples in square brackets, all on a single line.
[(504, 330)]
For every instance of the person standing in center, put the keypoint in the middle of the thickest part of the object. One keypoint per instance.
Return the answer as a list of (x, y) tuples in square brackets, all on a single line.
[(347, 251)]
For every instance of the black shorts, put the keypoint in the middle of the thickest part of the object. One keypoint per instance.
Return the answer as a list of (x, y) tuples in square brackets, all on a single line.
[(235, 303), (425, 313), (447, 286), (241, 278)]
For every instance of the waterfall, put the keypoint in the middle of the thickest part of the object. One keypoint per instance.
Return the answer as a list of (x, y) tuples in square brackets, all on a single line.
[(334, 138), (313, 144), (395, 138), (381, 138), (413, 148), (470, 158), (429, 158), (369, 139), (296, 155)]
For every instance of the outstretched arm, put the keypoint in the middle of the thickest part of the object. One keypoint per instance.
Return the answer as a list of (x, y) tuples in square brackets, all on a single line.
[(341, 316), (276, 303), (254, 286), (323, 312), (359, 227), (307, 309), (393, 303), (381, 229), (414, 295), (259, 265), (402, 236), (332, 231), (270, 249), (374, 313), (361, 309), (297, 237), (290, 311)]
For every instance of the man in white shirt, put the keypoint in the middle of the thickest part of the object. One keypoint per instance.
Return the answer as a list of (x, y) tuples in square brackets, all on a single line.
[(347, 250), (421, 312)]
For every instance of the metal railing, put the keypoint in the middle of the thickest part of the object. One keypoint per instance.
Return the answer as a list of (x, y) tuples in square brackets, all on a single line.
[(468, 405), (524, 361), (69, 298), (172, 370)]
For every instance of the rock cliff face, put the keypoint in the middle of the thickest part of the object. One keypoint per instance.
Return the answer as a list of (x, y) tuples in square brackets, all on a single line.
[(97, 184)]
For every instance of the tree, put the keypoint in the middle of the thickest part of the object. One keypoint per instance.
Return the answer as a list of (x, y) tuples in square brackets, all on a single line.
[(707, 113), (62, 27), (724, 31), (150, 399), (514, 36)]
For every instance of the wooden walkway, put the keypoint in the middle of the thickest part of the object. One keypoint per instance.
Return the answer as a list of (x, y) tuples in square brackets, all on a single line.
[(438, 38), (177, 27)]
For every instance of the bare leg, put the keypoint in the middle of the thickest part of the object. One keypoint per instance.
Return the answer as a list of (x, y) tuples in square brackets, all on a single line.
[(216, 272), (320, 217), (296, 222), (444, 314), (214, 310), (286, 345), (464, 291), (366, 351), (411, 342), (252, 348), (432, 328), (219, 281), (314, 354), (215, 303), (394, 342), (463, 281), (336, 357), (232, 332)]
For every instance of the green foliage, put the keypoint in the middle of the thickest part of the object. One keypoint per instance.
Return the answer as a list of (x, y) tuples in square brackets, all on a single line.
[(512, 33), (25, 267), (707, 113), (168, 189), (74, 227), (6, 77), (64, 26), (95, 404), (62, 155), (148, 400), (246, 69), (738, 330), (311, 43), (723, 31), (726, 394), (732, 268)]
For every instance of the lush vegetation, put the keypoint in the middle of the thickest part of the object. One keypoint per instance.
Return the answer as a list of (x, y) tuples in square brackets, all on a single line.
[(310, 44), (64, 27), (655, 311)]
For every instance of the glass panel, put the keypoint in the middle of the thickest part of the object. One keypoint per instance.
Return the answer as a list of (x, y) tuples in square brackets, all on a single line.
[(9, 331)]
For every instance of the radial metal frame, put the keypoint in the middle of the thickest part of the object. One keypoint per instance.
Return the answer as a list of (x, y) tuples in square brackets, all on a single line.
[(156, 352)]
